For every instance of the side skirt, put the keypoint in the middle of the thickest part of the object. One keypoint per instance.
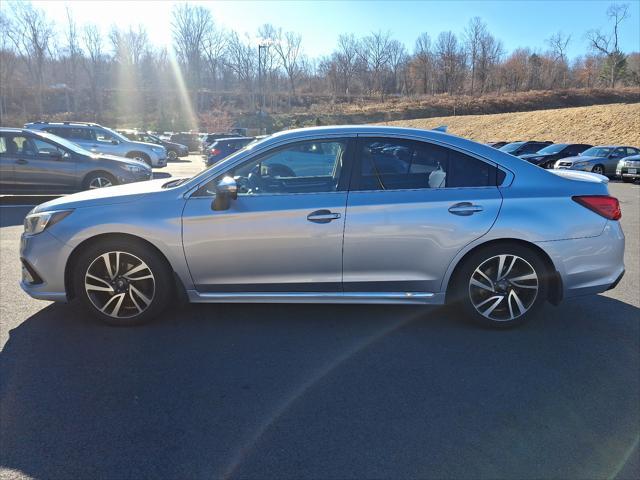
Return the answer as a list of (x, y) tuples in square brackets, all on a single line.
[(415, 298)]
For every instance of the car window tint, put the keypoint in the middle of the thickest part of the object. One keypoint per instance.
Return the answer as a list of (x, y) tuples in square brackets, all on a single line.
[(306, 167), (103, 136), (394, 164), (45, 148)]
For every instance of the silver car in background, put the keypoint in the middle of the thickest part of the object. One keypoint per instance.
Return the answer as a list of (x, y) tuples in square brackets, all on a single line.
[(334, 214), (602, 160), (99, 139)]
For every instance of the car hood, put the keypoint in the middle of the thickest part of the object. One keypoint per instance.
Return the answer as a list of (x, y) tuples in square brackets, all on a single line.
[(128, 161), (534, 155), (147, 145), (581, 158), (104, 196)]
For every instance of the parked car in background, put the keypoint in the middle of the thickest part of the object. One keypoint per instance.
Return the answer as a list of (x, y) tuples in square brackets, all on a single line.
[(210, 138), (191, 140), (358, 214), (546, 158), (628, 168), (602, 159), (36, 161), (521, 148), (497, 144), (174, 150), (99, 139), (224, 147)]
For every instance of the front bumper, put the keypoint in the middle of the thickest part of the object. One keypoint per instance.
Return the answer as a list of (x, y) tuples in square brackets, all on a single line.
[(46, 257), (628, 172)]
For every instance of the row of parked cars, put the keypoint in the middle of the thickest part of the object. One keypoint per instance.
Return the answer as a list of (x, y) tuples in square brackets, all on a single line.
[(616, 161)]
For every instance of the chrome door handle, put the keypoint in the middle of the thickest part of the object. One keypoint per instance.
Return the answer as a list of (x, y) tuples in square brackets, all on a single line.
[(465, 209), (323, 216)]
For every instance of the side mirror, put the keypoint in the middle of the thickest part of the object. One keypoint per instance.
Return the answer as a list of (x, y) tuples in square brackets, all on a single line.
[(115, 142), (226, 190), (55, 155)]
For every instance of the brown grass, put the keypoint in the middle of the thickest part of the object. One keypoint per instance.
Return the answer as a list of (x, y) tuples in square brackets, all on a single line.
[(597, 125)]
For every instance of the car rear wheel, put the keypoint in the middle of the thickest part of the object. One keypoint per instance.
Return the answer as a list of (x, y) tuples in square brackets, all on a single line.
[(99, 180), (501, 286), (122, 283), (599, 169), (172, 154)]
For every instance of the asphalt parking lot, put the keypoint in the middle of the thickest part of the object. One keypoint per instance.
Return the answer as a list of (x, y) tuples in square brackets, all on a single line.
[(325, 391)]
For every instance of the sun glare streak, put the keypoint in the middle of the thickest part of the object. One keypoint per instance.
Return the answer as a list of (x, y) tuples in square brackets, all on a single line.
[(186, 107)]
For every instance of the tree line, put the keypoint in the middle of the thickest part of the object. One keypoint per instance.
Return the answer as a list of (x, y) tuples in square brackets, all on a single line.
[(77, 69)]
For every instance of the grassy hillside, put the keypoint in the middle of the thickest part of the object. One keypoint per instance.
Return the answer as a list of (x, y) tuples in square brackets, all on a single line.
[(597, 125)]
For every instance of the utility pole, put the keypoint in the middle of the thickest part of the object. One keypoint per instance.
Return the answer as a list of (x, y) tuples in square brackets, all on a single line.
[(260, 85)]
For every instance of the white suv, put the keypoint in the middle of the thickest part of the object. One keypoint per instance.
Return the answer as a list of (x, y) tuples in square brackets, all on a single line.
[(99, 139)]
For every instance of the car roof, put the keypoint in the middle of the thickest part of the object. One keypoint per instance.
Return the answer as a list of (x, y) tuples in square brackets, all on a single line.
[(14, 130)]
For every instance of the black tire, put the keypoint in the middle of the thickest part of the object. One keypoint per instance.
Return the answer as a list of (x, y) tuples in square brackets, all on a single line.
[(172, 155), (464, 294), (98, 179), (128, 310), (143, 157), (599, 169)]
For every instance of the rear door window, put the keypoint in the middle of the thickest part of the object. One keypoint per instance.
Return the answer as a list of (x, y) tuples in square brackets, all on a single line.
[(398, 164)]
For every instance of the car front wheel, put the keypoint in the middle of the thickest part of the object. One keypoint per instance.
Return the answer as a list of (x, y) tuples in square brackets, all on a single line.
[(501, 286), (122, 282)]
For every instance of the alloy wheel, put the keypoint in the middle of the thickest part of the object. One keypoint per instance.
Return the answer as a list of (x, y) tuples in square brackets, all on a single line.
[(100, 182), (598, 169), (172, 155), (503, 287), (119, 284)]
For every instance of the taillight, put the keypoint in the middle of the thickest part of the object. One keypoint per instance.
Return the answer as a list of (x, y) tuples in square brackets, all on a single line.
[(214, 151), (604, 205)]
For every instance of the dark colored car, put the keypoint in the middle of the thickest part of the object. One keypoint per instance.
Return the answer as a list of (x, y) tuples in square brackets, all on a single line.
[(497, 144), (546, 158), (174, 150), (191, 140), (37, 161), (223, 147), (521, 148), (628, 168)]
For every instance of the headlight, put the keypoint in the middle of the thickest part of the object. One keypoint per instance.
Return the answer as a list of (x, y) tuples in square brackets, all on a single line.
[(133, 168), (35, 223)]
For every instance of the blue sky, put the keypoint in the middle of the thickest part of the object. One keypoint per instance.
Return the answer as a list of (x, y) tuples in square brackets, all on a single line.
[(516, 23)]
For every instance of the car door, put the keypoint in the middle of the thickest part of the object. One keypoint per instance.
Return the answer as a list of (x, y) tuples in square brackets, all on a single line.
[(104, 142), (45, 166), (284, 231), (412, 207), (611, 162), (6, 164)]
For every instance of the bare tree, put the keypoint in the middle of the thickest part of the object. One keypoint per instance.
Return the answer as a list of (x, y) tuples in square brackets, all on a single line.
[(397, 63), (8, 61), (451, 62), (424, 60), (288, 49), (488, 58), (473, 36), (375, 52), (558, 43), (93, 64), (214, 48), (190, 25), (241, 59), (31, 35), (608, 45), (346, 58), (71, 57)]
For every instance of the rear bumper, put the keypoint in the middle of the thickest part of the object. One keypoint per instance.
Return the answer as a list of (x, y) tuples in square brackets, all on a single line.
[(589, 265)]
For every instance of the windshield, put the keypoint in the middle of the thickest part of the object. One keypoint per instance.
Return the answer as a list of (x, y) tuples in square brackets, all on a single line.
[(551, 149), (117, 135), (596, 152), (63, 142), (511, 147)]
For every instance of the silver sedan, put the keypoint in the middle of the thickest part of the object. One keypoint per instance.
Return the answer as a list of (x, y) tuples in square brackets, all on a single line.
[(334, 214)]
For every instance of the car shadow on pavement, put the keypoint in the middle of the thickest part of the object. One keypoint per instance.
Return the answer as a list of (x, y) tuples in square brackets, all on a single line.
[(281, 391)]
